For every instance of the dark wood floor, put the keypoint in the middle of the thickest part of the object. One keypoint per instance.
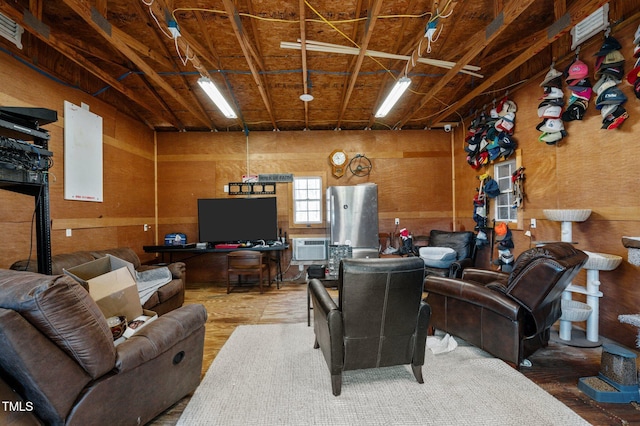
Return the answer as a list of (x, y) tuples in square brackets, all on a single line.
[(556, 368)]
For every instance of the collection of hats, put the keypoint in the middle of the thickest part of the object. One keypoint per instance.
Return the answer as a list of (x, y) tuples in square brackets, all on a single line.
[(577, 78), (489, 138), (489, 188), (610, 72), (503, 236), (550, 109), (633, 78)]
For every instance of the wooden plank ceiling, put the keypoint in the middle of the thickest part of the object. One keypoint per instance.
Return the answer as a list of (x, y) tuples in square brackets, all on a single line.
[(122, 52)]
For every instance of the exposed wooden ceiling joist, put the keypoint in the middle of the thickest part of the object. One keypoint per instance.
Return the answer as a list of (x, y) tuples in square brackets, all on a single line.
[(113, 36), (576, 14), (476, 44), (120, 53)]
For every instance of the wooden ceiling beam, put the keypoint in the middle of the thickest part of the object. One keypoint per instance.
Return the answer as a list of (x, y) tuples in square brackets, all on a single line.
[(169, 63), (144, 50), (370, 23), (357, 10), (545, 37), (254, 46), (35, 7), (113, 35), (187, 42), (59, 45), (192, 49), (406, 51), (477, 43), (205, 54), (247, 50), (303, 51)]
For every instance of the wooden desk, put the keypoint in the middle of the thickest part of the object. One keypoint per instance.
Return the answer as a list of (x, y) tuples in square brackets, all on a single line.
[(276, 249)]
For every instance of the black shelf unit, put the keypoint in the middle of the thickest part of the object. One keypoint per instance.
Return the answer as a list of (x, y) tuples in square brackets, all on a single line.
[(23, 124)]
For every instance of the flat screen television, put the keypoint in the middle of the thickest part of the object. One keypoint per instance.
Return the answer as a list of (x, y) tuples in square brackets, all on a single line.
[(229, 220)]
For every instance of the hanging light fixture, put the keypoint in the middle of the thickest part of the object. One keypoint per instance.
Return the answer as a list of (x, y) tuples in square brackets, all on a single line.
[(398, 89), (212, 91)]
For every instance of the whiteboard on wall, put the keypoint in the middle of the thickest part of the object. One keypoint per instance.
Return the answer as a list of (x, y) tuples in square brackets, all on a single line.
[(82, 154)]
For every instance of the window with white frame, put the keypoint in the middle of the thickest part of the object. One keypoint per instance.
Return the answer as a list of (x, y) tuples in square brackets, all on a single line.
[(505, 210), (307, 200)]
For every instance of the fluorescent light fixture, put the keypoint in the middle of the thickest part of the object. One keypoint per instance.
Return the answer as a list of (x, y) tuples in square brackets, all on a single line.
[(398, 89), (212, 91)]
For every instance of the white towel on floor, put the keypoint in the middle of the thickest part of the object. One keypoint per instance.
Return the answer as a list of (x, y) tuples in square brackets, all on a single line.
[(441, 345)]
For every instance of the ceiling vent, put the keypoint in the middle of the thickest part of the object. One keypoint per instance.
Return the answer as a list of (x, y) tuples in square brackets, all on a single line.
[(10, 30), (590, 26)]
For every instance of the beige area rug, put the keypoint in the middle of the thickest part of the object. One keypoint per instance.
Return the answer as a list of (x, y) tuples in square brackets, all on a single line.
[(271, 375)]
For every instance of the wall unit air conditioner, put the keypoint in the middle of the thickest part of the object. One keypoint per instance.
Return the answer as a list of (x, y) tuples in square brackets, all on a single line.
[(310, 248)]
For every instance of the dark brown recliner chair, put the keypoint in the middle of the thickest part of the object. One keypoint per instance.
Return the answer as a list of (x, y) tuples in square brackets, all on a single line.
[(508, 315), (380, 319), (463, 242)]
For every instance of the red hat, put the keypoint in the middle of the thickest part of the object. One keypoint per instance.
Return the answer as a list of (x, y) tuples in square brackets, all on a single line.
[(633, 75), (577, 70)]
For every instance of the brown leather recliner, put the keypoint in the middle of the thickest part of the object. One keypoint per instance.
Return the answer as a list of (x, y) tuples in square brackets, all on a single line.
[(508, 315), (380, 320), (57, 353)]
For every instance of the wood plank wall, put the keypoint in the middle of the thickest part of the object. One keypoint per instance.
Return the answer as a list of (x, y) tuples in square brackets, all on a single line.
[(411, 168), (592, 168), (128, 150)]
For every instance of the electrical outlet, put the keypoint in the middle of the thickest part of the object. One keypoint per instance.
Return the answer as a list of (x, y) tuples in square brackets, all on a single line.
[(146, 227), (397, 221), (533, 223), (173, 29), (68, 232)]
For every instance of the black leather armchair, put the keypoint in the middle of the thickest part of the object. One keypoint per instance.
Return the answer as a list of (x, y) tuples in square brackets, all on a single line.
[(508, 315), (380, 319), (463, 242)]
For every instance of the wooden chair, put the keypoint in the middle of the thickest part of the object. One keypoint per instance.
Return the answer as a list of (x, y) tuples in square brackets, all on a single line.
[(246, 263)]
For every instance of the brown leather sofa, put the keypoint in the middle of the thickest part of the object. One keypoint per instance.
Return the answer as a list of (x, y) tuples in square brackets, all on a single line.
[(380, 320), (167, 298), (508, 315), (57, 353)]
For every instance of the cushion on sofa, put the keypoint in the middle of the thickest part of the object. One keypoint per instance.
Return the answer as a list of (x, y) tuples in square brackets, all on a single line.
[(64, 312), (59, 262), (438, 257)]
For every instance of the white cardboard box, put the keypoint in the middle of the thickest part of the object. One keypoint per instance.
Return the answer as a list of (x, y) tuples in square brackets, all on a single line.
[(111, 283)]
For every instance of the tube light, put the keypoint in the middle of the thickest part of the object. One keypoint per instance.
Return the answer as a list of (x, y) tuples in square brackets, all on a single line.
[(401, 85), (212, 91)]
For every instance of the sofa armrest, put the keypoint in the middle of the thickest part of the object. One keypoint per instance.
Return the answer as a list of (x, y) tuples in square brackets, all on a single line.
[(457, 267), (484, 276), (473, 293), (177, 269), (328, 326), (422, 329), (159, 336)]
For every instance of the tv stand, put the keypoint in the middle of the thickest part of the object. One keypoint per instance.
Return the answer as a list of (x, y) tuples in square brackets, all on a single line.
[(276, 249)]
